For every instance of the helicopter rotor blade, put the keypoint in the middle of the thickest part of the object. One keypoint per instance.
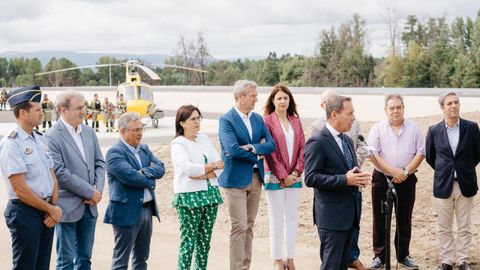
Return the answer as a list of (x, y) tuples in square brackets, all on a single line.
[(74, 68), (148, 71), (182, 67)]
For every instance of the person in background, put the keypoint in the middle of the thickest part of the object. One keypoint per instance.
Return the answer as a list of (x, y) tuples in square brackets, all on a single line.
[(96, 109), (27, 168), (109, 111), (283, 170), (196, 164), (362, 153), (86, 112), (47, 107), (3, 99), (453, 152)]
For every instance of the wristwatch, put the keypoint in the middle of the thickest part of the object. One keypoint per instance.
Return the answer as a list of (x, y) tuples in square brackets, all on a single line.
[(405, 171), (294, 173)]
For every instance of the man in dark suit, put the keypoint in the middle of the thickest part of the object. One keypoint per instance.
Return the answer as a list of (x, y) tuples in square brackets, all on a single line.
[(131, 170), (244, 141), (453, 151), (331, 169)]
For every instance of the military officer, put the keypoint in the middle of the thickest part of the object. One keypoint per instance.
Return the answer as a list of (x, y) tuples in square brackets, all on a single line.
[(86, 112), (121, 107), (109, 113), (47, 107), (3, 99), (27, 169), (96, 107)]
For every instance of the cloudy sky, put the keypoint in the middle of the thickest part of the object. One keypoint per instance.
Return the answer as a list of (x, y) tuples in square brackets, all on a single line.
[(232, 28)]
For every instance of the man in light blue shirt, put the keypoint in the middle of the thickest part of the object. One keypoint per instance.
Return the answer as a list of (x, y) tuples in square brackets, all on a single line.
[(27, 168)]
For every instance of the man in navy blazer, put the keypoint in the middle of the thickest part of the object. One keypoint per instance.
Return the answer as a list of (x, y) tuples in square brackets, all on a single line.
[(80, 170), (131, 170), (453, 151), (244, 141), (331, 169)]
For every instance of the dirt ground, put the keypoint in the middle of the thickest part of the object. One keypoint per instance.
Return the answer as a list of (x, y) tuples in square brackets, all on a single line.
[(423, 248)]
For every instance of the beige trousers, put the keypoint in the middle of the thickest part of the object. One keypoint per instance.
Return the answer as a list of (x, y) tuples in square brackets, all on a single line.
[(454, 250), (243, 206)]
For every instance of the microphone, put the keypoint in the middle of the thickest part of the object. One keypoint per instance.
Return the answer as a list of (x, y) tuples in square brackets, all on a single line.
[(389, 182)]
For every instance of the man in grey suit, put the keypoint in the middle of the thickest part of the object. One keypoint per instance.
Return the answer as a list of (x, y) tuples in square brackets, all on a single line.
[(361, 152), (80, 170)]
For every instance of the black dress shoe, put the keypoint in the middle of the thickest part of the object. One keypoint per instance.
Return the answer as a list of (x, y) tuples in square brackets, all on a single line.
[(465, 266), (445, 266)]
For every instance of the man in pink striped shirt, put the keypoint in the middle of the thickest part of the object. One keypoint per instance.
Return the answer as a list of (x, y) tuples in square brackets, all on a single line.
[(399, 149)]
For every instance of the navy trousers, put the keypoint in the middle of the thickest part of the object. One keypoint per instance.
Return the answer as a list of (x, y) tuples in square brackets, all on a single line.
[(135, 241), (335, 248), (31, 239)]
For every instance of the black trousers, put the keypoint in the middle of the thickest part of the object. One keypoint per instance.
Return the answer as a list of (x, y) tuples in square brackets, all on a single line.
[(31, 239), (335, 248), (403, 214)]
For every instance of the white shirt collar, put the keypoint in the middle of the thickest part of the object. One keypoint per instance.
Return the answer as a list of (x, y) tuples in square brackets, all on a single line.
[(70, 128), (457, 124), (332, 130), (131, 148), (242, 115)]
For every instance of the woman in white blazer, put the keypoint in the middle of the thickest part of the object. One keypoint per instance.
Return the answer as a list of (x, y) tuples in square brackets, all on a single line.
[(196, 164)]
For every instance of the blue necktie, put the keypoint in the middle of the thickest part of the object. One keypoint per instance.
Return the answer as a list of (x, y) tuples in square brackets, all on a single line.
[(346, 151)]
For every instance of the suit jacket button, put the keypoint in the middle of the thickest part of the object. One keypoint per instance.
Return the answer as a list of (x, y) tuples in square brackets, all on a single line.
[(141, 200)]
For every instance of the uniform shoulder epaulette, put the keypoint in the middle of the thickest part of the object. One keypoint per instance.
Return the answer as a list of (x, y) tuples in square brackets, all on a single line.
[(13, 135), (38, 132)]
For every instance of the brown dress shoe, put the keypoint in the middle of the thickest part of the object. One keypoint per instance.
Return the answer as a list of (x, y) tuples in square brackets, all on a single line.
[(357, 264)]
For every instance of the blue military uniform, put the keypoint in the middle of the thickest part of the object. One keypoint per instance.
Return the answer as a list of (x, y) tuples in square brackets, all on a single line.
[(21, 152)]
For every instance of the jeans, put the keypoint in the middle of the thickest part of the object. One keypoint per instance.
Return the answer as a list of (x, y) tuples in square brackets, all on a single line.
[(75, 242)]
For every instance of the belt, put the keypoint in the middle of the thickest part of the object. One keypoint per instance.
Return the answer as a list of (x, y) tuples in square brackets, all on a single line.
[(47, 199), (147, 204)]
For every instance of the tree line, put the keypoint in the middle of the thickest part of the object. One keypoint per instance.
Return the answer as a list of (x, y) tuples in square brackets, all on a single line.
[(423, 53)]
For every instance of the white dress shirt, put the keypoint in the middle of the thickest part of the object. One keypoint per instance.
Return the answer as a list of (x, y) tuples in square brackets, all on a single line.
[(146, 193), (335, 134), (76, 136), (289, 140)]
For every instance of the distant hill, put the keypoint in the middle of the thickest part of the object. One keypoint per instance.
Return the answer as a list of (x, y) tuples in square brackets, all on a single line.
[(83, 59)]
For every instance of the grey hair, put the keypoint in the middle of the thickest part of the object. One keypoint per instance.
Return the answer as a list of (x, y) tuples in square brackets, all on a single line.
[(63, 99), (393, 96), (335, 104), (327, 93), (441, 98), (126, 118), (241, 85)]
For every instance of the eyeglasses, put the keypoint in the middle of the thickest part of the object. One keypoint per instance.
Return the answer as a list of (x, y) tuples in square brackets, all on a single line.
[(80, 108), (199, 118), (137, 130)]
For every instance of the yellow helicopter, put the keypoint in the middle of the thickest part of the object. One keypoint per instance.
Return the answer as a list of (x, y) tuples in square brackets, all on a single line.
[(137, 94)]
